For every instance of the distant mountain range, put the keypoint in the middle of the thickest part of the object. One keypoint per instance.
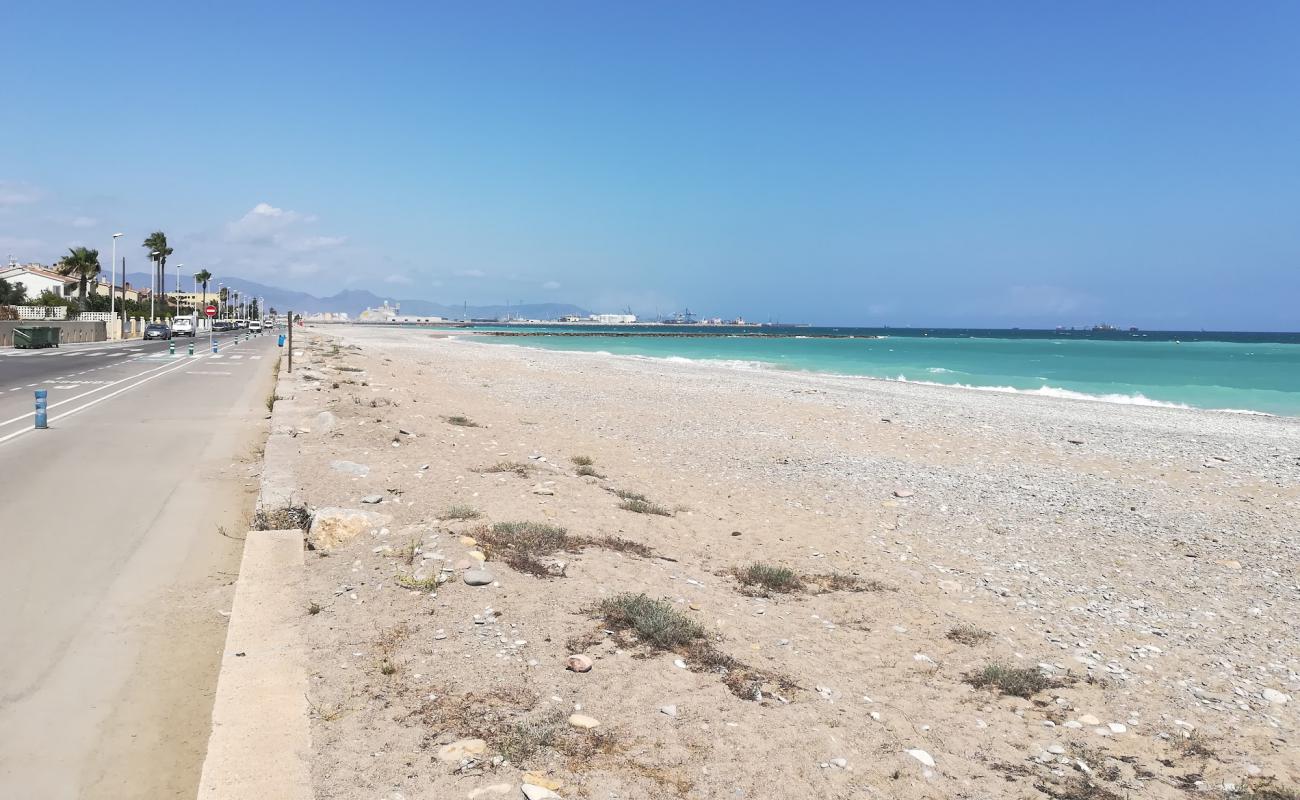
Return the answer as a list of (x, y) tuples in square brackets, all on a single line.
[(354, 301)]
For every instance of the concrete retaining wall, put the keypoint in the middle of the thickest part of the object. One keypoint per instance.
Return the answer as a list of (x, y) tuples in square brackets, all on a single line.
[(260, 745), (69, 332)]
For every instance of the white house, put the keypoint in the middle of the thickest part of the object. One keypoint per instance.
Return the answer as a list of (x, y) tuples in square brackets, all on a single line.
[(36, 279)]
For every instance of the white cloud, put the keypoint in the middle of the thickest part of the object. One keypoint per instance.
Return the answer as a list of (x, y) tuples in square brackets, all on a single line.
[(84, 222), (267, 225), (398, 279), (470, 273), (17, 194), (551, 285)]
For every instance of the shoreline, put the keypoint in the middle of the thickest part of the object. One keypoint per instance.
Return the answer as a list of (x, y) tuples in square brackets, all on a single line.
[(1046, 391)]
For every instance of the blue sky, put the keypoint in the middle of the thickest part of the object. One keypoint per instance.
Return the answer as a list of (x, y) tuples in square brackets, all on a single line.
[(951, 163)]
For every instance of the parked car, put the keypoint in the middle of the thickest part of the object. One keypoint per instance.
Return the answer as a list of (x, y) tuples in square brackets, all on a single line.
[(183, 326), (221, 325), (157, 330)]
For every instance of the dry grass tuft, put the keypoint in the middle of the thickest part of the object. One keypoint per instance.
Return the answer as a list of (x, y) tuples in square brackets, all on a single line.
[(523, 545), (461, 512), (282, 519), (1271, 789), (1076, 787), (656, 623), (461, 421), (517, 467), (1015, 681), (645, 507), (588, 471), (968, 635), (764, 579), (418, 584), (582, 461)]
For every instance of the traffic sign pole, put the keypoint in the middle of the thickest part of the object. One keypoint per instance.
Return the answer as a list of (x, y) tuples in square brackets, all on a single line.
[(210, 312)]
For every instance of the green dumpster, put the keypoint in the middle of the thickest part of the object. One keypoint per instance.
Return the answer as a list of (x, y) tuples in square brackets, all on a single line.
[(42, 336)]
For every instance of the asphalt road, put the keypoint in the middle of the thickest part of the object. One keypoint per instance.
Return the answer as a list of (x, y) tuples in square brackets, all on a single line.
[(113, 570)]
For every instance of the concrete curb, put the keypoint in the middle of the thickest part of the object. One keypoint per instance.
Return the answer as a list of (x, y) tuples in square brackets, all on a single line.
[(260, 744)]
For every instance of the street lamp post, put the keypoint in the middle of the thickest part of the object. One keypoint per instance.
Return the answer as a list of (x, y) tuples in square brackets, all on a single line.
[(112, 283)]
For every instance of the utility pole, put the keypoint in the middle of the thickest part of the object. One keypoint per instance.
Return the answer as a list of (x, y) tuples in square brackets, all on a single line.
[(291, 341)]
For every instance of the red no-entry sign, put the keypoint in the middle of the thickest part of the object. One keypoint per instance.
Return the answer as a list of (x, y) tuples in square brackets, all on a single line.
[(211, 311)]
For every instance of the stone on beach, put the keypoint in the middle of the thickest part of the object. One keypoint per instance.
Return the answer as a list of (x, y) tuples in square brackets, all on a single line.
[(372, 499), (478, 577), (903, 493), (1276, 697), (922, 756), (544, 781), (491, 790), (461, 749), (533, 792), (583, 721), (331, 527), (324, 422), (578, 663)]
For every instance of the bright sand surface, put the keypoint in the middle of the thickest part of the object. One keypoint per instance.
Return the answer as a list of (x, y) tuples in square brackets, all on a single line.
[(1143, 560)]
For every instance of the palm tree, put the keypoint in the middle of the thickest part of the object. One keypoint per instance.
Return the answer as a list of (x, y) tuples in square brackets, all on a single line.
[(203, 278), (84, 265), (223, 299), (157, 243)]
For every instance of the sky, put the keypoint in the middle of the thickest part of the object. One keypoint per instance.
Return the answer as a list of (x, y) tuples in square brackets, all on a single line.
[(924, 163)]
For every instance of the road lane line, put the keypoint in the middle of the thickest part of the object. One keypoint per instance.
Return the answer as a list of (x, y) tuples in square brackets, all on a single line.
[(83, 394), (110, 395)]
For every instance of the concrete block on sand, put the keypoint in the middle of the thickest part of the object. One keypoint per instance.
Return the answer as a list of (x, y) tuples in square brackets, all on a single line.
[(331, 527)]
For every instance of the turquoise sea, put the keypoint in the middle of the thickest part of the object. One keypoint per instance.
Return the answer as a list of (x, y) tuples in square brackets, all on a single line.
[(1229, 371)]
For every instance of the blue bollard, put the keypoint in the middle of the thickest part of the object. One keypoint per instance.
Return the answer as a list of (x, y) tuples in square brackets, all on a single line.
[(214, 347), (40, 410), (191, 347), (171, 348)]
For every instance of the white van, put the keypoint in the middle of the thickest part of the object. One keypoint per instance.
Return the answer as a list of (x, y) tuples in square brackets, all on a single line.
[(255, 326), (183, 326)]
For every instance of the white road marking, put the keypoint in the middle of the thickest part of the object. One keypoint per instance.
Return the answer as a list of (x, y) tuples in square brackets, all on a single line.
[(92, 391), (70, 412)]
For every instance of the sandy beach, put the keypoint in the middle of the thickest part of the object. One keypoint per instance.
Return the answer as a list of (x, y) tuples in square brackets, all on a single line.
[(958, 594)]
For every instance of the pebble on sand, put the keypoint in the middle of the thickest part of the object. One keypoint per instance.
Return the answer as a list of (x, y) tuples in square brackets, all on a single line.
[(491, 790), (1275, 697), (903, 493), (583, 721), (578, 663), (538, 792), (922, 756), (478, 577), (669, 710), (372, 499), (463, 748), (544, 781)]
